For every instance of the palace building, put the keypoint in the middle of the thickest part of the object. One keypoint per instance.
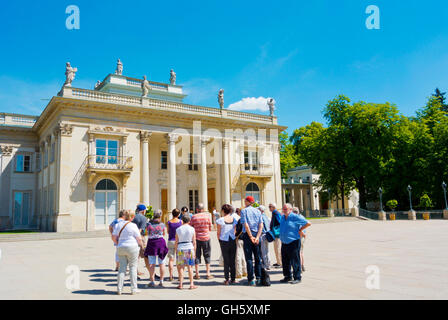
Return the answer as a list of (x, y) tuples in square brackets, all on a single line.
[(94, 152)]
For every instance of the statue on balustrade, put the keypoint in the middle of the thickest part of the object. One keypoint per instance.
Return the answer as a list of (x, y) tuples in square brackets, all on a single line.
[(97, 84), (145, 87), (172, 77), (221, 98), (69, 74), (271, 104), (119, 70)]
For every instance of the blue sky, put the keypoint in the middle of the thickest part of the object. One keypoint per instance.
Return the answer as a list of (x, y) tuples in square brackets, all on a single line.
[(302, 53)]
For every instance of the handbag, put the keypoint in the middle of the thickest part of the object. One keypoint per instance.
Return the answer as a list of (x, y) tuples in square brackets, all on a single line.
[(270, 237), (265, 278)]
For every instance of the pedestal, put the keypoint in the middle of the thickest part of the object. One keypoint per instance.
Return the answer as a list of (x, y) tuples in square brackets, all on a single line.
[(354, 212), (382, 215), (331, 213), (412, 215), (445, 214)]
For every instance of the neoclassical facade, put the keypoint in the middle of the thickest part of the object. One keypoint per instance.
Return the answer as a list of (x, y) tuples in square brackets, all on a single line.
[(93, 152)]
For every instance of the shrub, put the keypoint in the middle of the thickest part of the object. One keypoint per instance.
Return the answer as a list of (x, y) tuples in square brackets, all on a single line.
[(425, 202), (392, 204)]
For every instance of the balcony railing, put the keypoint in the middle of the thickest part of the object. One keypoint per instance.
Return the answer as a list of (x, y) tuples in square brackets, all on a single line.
[(256, 169), (99, 162)]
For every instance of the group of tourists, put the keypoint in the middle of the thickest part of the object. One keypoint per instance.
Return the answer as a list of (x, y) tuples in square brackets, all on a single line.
[(244, 236)]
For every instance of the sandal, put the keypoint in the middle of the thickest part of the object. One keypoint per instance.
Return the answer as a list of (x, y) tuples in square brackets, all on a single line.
[(197, 277), (179, 287), (226, 282), (193, 287), (210, 277)]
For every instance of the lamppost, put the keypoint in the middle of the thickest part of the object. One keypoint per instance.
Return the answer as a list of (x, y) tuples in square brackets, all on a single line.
[(380, 191), (315, 201), (444, 194), (329, 198), (410, 196)]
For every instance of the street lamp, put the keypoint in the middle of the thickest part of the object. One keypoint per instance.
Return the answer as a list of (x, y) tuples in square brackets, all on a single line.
[(380, 191), (329, 198), (315, 201), (410, 196), (444, 194)]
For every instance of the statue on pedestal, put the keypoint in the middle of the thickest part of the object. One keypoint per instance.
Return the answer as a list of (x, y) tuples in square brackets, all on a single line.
[(69, 74), (221, 98), (271, 104), (172, 77), (97, 84), (119, 70), (145, 87)]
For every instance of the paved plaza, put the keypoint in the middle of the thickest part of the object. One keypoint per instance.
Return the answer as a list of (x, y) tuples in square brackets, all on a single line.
[(411, 256)]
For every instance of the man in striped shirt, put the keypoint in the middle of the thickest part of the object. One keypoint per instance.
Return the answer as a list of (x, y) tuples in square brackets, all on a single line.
[(202, 224)]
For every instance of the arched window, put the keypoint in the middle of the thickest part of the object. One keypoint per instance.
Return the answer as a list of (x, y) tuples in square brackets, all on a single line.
[(253, 190), (106, 185)]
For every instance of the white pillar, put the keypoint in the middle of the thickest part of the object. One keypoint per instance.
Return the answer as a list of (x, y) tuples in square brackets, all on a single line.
[(144, 138), (203, 187), (226, 177), (171, 140)]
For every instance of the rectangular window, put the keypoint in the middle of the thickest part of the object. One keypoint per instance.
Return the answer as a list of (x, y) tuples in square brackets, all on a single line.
[(251, 160), (106, 151), (45, 158), (53, 151), (23, 163), (164, 160), (193, 199), (22, 206), (193, 162), (38, 164)]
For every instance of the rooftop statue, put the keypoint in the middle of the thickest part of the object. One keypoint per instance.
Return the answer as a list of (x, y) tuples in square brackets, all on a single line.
[(271, 104), (69, 74), (172, 77), (221, 98), (145, 87), (97, 84), (119, 70)]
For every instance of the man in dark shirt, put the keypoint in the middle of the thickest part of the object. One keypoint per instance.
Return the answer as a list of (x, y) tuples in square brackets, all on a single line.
[(140, 221), (275, 223)]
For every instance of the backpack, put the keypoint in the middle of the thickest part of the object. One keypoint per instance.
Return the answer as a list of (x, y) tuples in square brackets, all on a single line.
[(265, 278)]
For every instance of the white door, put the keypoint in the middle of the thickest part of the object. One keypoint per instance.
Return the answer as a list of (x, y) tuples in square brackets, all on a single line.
[(106, 198)]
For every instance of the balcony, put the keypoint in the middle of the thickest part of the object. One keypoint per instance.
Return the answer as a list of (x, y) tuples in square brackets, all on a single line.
[(257, 170), (109, 163)]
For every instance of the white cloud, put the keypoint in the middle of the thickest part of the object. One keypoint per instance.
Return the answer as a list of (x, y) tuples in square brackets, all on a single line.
[(250, 103)]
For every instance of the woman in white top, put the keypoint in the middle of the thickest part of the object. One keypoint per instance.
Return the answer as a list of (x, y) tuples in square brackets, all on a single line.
[(185, 247), (226, 235), (126, 236)]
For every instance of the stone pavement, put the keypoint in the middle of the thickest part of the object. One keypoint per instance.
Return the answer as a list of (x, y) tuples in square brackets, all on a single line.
[(411, 257)]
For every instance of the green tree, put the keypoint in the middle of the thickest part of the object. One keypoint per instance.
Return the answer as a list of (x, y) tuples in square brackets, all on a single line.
[(288, 157), (440, 96)]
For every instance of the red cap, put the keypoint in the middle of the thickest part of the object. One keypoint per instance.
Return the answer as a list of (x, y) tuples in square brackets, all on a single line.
[(250, 199)]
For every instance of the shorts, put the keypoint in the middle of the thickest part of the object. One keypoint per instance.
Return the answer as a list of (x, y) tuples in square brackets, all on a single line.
[(184, 258), (155, 260), (171, 253), (204, 248)]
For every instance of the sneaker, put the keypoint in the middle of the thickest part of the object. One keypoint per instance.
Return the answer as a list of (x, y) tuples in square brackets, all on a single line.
[(135, 291), (259, 283), (251, 283), (232, 282), (276, 265), (285, 280), (295, 281), (150, 285), (161, 284)]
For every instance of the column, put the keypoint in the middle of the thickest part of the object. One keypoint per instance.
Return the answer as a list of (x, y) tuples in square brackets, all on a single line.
[(203, 187), (226, 178), (301, 198), (144, 138), (171, 140), (283, 196), (6, 169)]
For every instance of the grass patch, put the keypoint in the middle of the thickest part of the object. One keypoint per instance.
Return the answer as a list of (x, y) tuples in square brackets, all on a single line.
[(17, 232)]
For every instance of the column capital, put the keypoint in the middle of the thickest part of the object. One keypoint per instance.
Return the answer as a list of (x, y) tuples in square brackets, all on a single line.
[(204, 140), (172, 137), (226, 142), (145, 136), (65, 129), (6, 150)]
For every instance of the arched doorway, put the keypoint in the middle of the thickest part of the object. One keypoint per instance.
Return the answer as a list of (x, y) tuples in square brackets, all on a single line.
[(106, 203), (253, 190)]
